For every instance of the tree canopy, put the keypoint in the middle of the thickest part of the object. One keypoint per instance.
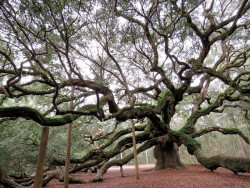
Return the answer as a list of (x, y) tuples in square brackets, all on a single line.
[(148, 61)]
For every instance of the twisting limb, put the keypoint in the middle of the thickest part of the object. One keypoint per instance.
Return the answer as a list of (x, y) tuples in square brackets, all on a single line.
[(31, 113), (58, 174), (235, 164), (91, 138), (97, 156), (125, 160), (7, 181), (191, 121), (48, 176), (203, 97), (223, 131), (100, 154)]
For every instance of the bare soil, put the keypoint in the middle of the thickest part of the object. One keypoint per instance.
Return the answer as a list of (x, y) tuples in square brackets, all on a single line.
[(192, 176)]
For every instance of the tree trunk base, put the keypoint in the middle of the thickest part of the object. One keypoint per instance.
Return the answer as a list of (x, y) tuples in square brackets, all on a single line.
[(167, 156)]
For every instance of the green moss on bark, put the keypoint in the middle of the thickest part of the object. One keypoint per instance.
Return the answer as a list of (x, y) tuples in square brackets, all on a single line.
[(187, 140)]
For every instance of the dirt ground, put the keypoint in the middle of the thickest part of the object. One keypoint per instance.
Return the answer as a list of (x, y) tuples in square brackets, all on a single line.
[(192, 176)]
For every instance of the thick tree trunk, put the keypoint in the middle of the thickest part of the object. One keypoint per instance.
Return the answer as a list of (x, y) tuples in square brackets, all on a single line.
[(167, 156)]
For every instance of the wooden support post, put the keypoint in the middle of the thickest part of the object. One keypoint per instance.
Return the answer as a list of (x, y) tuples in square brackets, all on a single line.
[(67, 161), (121, 168), (121, 171), (147, 156), (135, 152), (41, 158)]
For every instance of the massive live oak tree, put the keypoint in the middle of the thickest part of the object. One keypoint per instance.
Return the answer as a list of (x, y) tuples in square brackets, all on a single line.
[(127, 60)]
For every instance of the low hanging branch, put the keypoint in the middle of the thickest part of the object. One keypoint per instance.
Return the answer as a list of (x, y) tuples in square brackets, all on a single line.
[(235, 164), (125, 160), (31, 113), (119, 147), (97, 156), (9, 182)]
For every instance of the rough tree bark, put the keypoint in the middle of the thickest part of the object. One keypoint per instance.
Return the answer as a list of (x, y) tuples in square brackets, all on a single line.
[(167, 156)]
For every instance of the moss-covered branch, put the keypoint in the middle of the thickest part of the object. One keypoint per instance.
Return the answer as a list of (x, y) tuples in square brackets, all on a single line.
[(31, 113), (122, 133), (223, 131), (7, 181), (227, 80), (97, 156), (141, 113), (10, 183), (99, 153), (125, 160), (235, 164), (58, 174), (126, 143), (166, 104), (189, 128)]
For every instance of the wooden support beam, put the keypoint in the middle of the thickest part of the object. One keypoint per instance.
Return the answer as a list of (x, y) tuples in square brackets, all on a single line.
[(41, 158), (135, 152)]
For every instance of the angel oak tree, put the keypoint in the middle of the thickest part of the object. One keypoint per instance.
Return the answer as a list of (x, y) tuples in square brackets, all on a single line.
[(127, 60)]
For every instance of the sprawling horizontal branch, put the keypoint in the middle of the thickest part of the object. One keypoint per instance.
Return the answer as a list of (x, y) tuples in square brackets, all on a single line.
[(148, 144), (58, 174), (191, 121), (226, 79), (33, 114), (122, 133), (140, 113), (223, 131), (119, 147), (9, 182), (235, 164), (97, 156)]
